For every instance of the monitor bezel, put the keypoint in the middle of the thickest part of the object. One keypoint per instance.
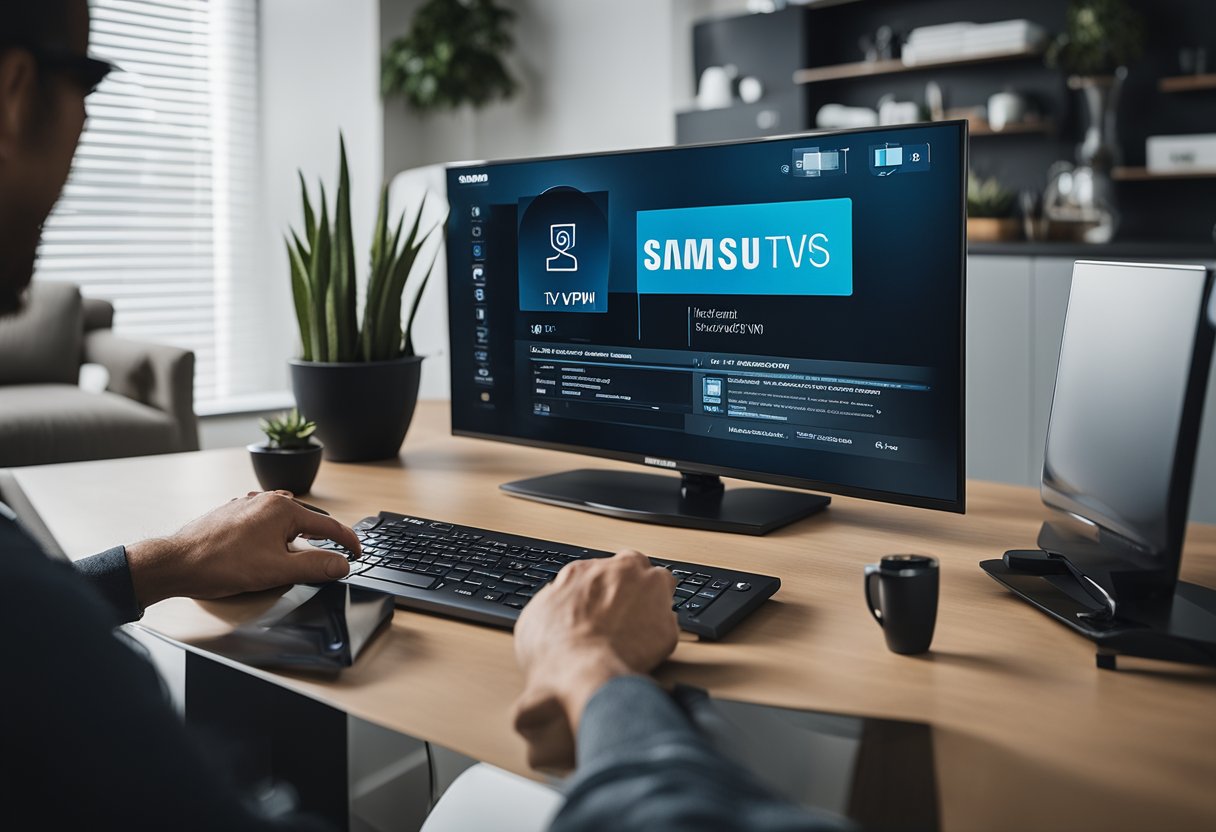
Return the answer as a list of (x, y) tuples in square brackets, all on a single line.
[(1095, 543), (957, 505)]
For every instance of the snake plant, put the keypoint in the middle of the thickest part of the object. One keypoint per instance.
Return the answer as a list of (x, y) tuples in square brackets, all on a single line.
[(324, 286)]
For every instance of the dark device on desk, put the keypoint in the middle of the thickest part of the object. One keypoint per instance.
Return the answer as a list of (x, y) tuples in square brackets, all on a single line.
[(488, 577), (785, 310), (879, 773), (1121, 444), (314, 629)]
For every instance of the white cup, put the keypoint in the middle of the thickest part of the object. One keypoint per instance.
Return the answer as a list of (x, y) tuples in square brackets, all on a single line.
[(1005, 108)]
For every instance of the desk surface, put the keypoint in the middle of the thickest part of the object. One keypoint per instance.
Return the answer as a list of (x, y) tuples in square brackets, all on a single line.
[(1028, 733)]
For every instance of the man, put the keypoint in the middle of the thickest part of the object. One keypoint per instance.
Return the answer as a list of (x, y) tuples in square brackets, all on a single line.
[(86, 738)]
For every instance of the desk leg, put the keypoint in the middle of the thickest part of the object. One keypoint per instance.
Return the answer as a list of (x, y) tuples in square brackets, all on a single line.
[(264, 733)]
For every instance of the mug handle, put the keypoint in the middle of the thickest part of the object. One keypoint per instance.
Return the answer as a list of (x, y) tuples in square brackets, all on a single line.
[(872, 576)]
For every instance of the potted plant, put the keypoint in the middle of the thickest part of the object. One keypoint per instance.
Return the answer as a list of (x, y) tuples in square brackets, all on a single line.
[(290, 458), (989, 210), (359, 383), (451, 57)]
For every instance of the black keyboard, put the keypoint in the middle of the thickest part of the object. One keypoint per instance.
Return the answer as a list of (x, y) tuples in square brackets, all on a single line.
[(488, 577)]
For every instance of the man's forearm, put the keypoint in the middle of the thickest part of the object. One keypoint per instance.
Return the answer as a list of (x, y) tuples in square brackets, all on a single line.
[(642, 765), (109, 574)]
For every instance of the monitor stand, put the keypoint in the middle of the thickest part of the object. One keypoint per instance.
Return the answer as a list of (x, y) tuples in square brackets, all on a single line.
[(1182, 631), (697, 501)]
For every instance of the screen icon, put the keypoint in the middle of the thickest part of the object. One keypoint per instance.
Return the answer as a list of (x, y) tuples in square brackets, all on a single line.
[(482, 333), (815, 161), (561, 238), (479, 294), (479, 275), (479, 251), (475, 212), (476, 229), (892, 157), (479, 314)]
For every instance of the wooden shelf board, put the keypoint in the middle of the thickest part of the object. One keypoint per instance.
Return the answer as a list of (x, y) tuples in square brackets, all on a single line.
[(1144, 174), (985, 129), (1186, 83), (865, 69)]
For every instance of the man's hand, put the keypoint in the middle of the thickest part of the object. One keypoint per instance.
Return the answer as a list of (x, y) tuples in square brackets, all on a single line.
[(242, 546), (597, 620)]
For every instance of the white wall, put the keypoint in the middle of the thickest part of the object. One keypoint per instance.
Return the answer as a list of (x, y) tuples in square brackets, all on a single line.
[(320, 74), (595, 76)]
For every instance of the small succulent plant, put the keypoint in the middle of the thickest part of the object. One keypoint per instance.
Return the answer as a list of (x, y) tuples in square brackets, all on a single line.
[(988, 198), (289, 430)]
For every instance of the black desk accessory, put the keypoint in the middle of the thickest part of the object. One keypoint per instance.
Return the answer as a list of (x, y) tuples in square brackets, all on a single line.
[(1118, 466), (879, 773), (901, 593), (313, 629)]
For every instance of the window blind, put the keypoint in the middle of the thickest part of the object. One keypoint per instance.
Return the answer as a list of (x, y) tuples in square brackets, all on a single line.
[(159, 214)]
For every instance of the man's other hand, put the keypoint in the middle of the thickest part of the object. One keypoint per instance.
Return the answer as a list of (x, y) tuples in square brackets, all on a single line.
[(242, 546), (597, 620)]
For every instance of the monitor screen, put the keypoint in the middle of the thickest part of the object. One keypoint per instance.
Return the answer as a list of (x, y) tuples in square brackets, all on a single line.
[(785, 310), (1128, 367)]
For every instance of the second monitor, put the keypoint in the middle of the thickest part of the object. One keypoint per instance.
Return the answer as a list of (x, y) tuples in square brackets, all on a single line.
[(785, 310)]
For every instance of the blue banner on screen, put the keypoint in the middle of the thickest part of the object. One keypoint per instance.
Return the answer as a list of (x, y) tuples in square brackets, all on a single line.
[(774, 248)]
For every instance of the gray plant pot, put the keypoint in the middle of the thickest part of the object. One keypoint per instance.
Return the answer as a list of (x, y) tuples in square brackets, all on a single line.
[(289, 469), (362, 410)]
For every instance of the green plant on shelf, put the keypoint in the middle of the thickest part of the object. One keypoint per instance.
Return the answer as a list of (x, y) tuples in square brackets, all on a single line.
[(1102, 35), (289, 431), (323, 280), (451, 56), (988, 198)]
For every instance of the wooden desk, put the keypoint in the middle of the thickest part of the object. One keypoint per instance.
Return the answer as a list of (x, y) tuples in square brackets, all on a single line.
[(1028, 733)]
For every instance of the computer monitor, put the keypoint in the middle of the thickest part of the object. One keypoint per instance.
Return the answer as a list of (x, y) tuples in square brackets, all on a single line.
[(1124, 427), (784, 310)]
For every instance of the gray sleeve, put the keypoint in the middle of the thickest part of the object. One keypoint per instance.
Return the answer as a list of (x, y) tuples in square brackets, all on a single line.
[(110, 576), (643, 766)]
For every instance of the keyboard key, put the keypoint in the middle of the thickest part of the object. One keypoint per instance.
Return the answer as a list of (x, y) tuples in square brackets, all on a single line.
[(708, 594), (466, 591), (719, 585), (703, 576), (681, 573), (692, 607), (517, 581), (491, 596), (684, 593), (398, 577)]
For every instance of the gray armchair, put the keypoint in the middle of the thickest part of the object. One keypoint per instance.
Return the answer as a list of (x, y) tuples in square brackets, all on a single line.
[(45, 416)]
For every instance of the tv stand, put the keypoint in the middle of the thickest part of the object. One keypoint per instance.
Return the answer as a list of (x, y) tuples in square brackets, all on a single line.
[(697, 501), (1183, 630)]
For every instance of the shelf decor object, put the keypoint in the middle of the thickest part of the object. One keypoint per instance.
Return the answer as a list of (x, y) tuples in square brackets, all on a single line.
[(990, 211), (1101, 39)]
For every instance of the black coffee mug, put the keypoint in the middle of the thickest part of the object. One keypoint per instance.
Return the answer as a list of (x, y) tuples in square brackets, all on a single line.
[(901, 592)]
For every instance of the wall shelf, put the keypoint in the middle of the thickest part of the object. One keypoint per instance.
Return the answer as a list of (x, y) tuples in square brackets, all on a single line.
[(983, 128), (867, 69), (1187, 83), (1127, 174)]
